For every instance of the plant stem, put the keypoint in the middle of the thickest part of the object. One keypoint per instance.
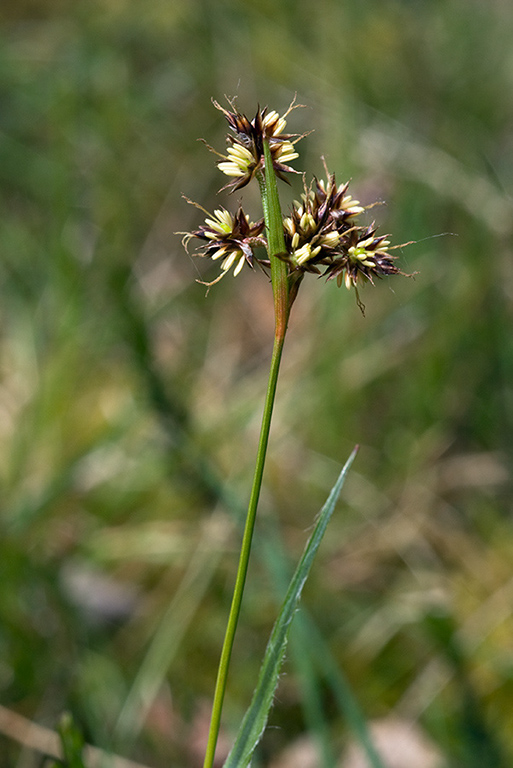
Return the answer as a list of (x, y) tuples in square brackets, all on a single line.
[(276, 245), (240, 579)]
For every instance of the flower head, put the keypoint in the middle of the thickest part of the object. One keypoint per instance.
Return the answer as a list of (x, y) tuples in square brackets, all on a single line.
[(229, 237), (311, 238), (314, 231), (363, 256), (322, 237), (245, 154), (333, 200)]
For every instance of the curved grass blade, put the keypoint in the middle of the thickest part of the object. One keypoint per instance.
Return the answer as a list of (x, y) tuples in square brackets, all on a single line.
[(255, 719), (315, 663)]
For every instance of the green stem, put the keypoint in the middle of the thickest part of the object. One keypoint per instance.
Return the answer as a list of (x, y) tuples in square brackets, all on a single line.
[(222, 673), (276, 245)]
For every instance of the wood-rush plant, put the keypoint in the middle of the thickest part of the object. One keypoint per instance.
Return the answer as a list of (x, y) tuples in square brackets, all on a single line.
[(320, 236)]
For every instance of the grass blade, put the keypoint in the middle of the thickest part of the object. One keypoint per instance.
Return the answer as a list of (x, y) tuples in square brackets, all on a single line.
[(313, 659), (255, 719)]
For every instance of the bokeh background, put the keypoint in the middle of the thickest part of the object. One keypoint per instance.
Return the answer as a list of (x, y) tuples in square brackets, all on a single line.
[(130, 402)]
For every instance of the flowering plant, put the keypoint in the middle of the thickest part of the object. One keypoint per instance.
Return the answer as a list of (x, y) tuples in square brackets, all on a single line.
[(321, 236)]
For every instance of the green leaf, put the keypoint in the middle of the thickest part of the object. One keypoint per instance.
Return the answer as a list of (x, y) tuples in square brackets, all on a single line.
[(72, 742), (315, 663), (255, 719)]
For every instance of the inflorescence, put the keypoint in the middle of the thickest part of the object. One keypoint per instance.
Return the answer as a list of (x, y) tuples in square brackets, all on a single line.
[(322, 235)]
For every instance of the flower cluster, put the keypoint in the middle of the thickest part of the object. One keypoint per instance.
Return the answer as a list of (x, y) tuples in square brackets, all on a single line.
[(245, 153), (321, 233), (322, 237), (231, 238), (313, 231)]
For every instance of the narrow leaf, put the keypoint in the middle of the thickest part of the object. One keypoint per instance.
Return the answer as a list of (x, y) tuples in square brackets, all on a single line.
[(255, 719), (72, 742), (315, 662)]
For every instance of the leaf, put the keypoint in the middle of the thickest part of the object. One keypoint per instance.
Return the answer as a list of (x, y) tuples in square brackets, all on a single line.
[(316, 665), (72, 742), (255, 719)]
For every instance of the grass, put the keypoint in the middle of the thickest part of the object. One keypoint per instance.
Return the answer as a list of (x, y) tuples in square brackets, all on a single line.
[(130, 404)]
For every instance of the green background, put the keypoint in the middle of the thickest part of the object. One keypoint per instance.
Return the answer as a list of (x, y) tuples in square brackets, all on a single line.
[(130, 402)]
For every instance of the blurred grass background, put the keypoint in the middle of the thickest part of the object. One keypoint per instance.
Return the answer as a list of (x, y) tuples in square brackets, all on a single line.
[(130, 403)]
